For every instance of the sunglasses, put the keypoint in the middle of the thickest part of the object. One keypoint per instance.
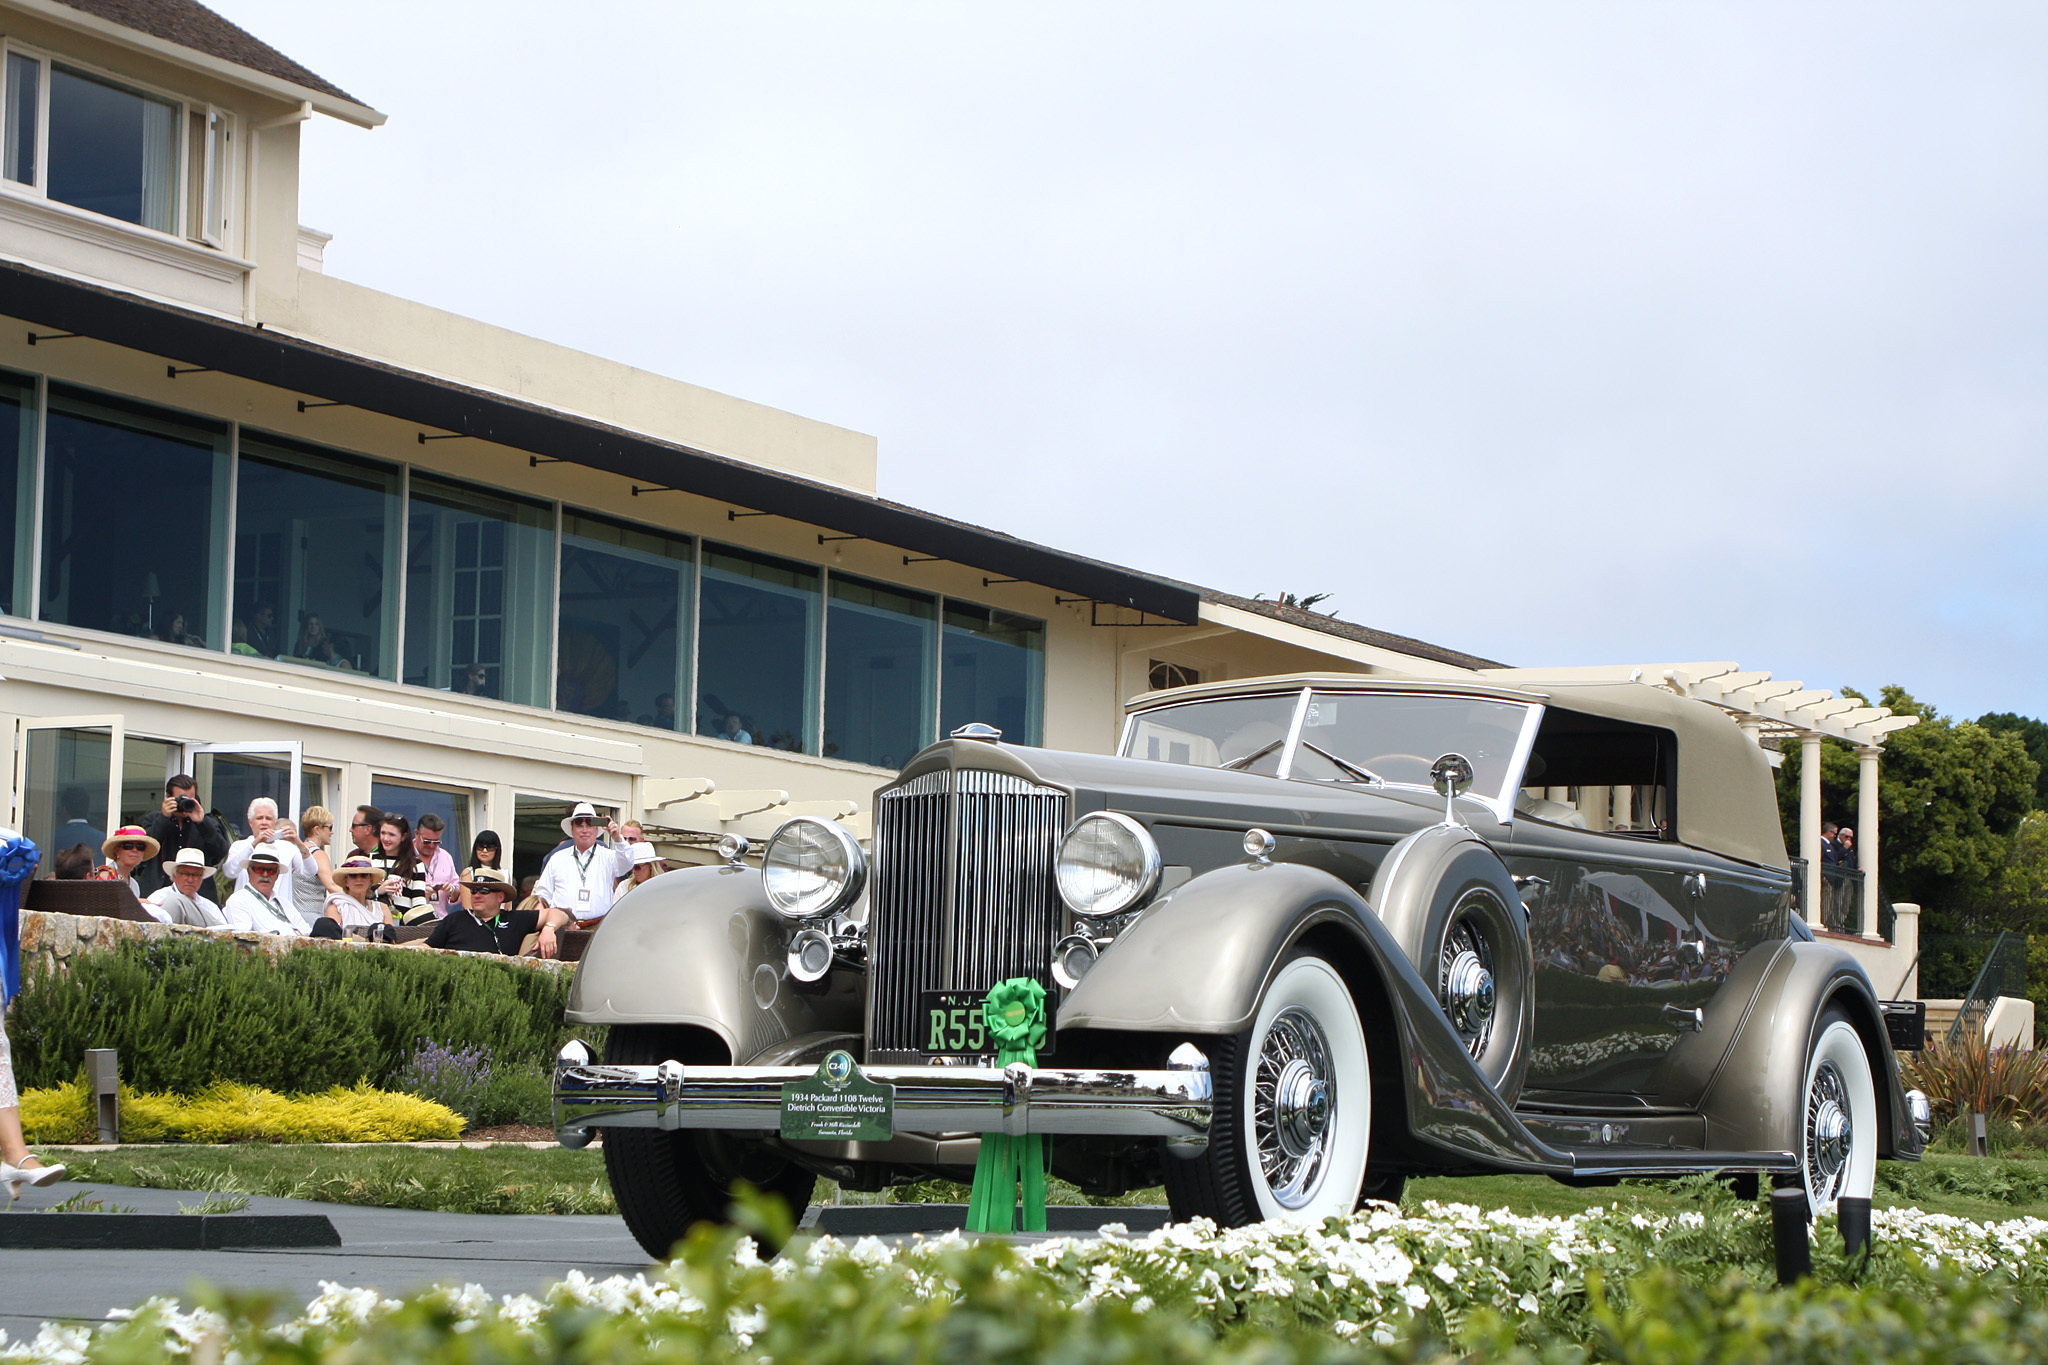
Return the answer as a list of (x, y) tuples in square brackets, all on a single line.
[(132, 847)]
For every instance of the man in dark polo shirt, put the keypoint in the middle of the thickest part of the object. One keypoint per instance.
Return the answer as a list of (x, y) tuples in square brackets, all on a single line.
[(488, 927)]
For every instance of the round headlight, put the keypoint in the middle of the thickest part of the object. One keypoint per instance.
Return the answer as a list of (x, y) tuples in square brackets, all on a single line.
[(812, 868), (1108, 864)]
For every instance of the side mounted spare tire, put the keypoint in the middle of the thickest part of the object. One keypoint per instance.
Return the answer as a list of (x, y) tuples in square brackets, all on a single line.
[(1450, 903)]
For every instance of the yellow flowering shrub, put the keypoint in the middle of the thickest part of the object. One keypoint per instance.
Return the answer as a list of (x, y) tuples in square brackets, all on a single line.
[(227, 1112)]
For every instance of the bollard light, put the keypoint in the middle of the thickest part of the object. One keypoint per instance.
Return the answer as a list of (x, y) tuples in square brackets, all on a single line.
[(1852, 1215), (103, 1076), (1789, 1215)]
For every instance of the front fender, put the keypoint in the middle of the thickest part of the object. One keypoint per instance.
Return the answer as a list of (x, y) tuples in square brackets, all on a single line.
[(1199, 962), (1756, 1103), (700, 946)]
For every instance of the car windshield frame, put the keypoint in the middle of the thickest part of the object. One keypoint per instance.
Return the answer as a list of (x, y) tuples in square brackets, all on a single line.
[(1499, 801)]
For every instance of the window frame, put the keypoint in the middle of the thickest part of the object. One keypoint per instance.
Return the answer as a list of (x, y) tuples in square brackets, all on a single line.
[(187, 198)]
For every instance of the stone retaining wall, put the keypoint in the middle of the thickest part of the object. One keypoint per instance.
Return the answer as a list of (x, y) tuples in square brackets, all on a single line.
[(49, 942)]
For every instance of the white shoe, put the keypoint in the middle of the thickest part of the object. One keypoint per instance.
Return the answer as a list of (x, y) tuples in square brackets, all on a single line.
[(14, 1177)]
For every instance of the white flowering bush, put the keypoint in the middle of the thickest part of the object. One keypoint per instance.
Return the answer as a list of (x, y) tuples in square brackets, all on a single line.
[(1610, 1283)]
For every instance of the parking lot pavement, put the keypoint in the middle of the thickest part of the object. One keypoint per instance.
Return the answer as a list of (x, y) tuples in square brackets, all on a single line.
[(395, 1250)]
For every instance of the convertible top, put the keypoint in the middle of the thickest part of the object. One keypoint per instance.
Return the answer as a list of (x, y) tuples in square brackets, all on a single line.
[(1726, 801)]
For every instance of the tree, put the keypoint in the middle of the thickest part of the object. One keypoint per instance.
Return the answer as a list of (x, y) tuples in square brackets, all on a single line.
[(2033, 734), (1951, 796)]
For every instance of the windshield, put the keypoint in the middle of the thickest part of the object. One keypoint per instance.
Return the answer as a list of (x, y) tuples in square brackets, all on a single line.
[(1244, 733), (1395, 737)]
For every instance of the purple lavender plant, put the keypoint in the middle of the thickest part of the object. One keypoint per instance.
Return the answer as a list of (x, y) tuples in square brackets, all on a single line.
[(456, 1077)]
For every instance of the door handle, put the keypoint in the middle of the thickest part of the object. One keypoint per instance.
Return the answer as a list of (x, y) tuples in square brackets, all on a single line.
[(1525, 880), (1685, 1020), (1696, 883)]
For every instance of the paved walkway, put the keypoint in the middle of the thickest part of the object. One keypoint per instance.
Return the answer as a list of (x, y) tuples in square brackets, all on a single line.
[(395, 1250)]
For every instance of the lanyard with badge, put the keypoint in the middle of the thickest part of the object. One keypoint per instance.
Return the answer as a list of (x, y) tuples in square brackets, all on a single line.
[(583, 862)]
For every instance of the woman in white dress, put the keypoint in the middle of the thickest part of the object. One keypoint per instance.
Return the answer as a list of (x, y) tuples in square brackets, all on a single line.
[(351, 910)]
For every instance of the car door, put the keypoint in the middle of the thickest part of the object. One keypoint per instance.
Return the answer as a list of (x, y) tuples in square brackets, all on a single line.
[(1615, 938)]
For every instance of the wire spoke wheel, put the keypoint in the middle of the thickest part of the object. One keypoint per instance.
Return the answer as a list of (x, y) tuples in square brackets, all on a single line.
[(1465, 979), (1294, 1102), (1838, 1116)]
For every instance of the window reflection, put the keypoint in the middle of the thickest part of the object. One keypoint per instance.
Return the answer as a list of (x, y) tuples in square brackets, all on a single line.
[(624, 621), (757, 650), (993, 671), (134, 519), (880, 644), (113, 150), (479, 578), (316, 546)]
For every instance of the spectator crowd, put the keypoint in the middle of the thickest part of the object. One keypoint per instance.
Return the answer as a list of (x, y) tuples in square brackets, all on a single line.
[(388, 880)]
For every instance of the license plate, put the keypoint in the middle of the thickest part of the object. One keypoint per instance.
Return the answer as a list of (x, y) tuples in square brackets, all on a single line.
[(953, 1026)]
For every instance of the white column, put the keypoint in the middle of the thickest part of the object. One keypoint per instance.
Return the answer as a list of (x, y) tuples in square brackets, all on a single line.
[(1809, 822), (1905, 948), (1866, 833)]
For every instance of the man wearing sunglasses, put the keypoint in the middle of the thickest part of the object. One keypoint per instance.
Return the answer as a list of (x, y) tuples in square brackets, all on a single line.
[(580, 877)]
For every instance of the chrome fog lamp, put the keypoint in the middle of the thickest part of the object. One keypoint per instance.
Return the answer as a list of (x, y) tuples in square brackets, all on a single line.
[(1072, 956), (812, 868), (810, 954), (1108, 864), (1921, 1113)]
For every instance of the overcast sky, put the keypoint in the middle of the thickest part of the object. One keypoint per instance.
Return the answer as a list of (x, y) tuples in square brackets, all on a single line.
[(1556, 333)]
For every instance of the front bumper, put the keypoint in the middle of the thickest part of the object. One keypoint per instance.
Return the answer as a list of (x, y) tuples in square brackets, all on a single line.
[(1173, 1104)]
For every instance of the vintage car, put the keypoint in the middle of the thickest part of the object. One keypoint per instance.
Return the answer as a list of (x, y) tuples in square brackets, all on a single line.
[(1302, 937)]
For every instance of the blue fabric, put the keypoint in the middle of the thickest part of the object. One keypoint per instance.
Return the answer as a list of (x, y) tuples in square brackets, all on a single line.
[(18, 858)]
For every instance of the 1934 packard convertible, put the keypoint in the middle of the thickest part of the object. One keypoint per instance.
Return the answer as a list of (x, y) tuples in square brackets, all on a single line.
[(1301, 938)]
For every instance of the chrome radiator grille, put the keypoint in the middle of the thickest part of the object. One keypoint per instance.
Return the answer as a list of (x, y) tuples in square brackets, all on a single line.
[(963, 893)]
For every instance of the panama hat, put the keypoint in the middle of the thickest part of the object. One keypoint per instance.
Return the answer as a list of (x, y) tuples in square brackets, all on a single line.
[(265, 854), (488, 879), (644, 853), (130, 834), (584, 811), (188, 860)]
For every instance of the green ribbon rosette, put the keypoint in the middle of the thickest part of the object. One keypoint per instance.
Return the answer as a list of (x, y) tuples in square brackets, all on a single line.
[(1011, 1167)]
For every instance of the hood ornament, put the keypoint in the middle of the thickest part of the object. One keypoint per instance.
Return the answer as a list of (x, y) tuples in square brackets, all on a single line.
[(988, 734)]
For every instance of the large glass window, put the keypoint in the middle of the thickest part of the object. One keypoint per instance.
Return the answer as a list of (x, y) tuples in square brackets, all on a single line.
[(757, 650), (316, 555), (17, 489), (134, 519), (479, 587), (622, 647), (993, 671), (112, 150), (881, 644), (64, 792)]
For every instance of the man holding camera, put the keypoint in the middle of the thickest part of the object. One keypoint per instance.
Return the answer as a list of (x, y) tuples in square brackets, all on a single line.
[(182, 822)]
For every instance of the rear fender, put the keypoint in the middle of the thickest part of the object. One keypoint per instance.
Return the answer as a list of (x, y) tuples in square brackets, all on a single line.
[(1757, 1101), (700, 946), (1199, 961)]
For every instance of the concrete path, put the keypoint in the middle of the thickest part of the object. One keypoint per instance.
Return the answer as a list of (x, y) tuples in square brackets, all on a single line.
[(395, 1250)]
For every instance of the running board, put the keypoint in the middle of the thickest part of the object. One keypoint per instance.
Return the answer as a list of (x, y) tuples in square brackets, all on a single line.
[(1601, 1163)]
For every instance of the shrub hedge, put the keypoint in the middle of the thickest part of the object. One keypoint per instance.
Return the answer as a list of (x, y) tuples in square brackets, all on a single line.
[(187, 1012)]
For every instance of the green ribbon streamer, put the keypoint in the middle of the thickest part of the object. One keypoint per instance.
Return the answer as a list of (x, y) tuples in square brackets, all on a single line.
[(1014, 1012)]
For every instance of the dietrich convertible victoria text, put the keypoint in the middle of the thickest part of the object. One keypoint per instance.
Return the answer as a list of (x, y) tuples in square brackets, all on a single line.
[(1302, 938)]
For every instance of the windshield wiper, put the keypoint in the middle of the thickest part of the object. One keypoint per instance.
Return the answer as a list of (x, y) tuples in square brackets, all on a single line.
[(1362, 774), (1250, 758)]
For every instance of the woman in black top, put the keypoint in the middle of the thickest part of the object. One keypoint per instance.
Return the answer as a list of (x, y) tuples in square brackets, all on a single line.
[(486, 854)]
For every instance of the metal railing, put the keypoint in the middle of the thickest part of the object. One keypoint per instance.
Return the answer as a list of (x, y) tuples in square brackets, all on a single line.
[(2004, 973), (1841, 899)]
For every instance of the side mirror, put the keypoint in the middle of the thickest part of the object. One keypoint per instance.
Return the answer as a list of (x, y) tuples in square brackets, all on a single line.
[(1452, 776)]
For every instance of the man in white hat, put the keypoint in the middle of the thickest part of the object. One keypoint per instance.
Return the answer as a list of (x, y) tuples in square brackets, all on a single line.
[(580, 878), (180, 902), (257, 906), (647, 864)]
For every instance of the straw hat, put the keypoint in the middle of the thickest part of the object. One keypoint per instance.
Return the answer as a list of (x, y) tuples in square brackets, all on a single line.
[(584, 811), (643, 854), (357, 865), (488, 879), (131, 834), (266, 855), (188, 860)]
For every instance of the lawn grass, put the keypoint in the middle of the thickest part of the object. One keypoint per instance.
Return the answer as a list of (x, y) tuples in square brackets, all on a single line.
[(515, 1179)]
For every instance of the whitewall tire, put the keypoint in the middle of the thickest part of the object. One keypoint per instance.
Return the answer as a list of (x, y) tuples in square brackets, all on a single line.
[(1837, 1116)]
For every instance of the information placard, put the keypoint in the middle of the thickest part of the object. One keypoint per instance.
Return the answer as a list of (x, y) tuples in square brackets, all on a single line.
[(838, 1104)]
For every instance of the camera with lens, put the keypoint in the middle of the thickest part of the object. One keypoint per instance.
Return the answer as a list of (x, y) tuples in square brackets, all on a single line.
[(187, 806)]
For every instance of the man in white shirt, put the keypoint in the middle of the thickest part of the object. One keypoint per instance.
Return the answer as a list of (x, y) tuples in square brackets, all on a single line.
[(580, 878), (266, 831), (180, 902), (257, 907)]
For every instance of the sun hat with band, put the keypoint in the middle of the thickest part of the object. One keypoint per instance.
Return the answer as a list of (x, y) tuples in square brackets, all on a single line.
[(584, 811), (130, 834), (643, 854), (357, 865), (188, 860), (488, 879)]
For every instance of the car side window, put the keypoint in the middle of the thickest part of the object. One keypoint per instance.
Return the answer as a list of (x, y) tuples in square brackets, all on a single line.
[(1598, 774)]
